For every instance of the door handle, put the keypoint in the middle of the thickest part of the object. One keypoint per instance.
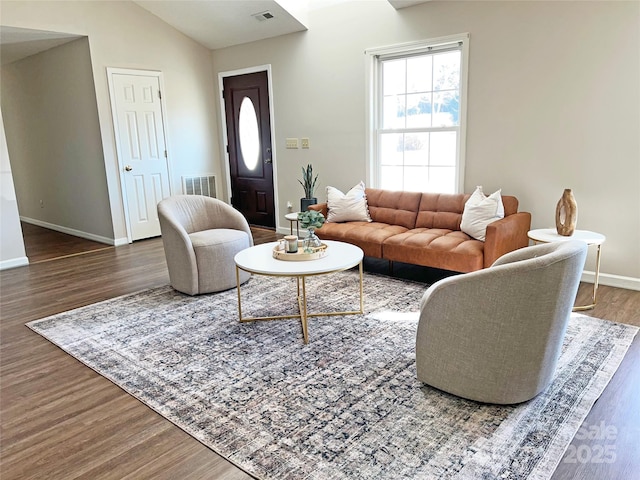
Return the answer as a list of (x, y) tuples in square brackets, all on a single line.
[(128, 168)]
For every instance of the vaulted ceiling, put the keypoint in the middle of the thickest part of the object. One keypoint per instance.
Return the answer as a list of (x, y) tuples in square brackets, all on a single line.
[(212, 23)]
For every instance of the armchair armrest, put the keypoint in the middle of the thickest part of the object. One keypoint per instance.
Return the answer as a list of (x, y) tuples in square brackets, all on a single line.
[(181, 262), (505, 235)]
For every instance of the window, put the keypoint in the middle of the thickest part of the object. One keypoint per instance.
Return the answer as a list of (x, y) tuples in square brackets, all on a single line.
[(416, 118)]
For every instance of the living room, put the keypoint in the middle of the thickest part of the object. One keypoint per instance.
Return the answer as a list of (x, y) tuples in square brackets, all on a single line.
[(530, 129), (552, 104)]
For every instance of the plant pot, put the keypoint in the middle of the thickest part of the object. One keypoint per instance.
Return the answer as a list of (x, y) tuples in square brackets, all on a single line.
[(305, 202)]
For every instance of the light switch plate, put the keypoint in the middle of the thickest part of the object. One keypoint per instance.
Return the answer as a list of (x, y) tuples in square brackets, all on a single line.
[(292, 142), (305, 142)]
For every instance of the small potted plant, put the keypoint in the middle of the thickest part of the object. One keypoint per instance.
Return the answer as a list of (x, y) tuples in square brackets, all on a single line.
[(308, 182), (311, 219)]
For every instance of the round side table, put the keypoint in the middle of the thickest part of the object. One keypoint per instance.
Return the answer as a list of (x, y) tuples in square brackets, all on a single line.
[(549, 235), (293, 218)]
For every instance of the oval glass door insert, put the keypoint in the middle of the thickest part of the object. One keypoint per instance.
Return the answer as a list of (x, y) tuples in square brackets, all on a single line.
[(249, 134)]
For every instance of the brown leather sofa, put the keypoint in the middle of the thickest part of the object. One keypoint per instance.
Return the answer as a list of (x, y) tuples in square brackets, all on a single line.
[(424, 229)]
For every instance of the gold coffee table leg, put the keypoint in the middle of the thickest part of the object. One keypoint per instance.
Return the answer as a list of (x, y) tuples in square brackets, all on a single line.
[(302, 304), (239, 300), (361, 290)]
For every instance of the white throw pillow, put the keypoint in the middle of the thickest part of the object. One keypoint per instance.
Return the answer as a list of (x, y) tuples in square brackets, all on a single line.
[(349, 207), (480, 211)]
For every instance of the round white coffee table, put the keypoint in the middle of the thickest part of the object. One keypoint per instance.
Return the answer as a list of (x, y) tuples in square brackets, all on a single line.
[(549, 235), (259, 260)]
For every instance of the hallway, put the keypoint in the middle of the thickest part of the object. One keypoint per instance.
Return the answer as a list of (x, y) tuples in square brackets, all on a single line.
[(43, 244)]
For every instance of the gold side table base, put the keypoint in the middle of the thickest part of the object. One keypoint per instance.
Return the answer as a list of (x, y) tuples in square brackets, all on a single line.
[(546, 235), (303, 314), (582, 308)]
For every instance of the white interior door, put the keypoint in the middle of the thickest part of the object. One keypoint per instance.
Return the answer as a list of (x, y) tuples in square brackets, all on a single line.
[(140, 139)]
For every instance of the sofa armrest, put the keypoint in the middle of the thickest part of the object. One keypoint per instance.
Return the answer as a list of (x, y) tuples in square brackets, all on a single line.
[(505, 235), (320, 207)]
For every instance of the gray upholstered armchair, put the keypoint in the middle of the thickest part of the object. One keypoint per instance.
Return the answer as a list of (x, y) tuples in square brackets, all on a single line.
[(201, 235), (495, 335)]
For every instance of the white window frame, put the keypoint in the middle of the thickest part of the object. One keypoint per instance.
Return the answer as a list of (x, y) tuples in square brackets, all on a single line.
[(373, 57)]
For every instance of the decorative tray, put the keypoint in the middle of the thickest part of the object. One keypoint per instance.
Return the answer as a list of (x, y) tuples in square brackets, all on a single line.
[(281, 254)]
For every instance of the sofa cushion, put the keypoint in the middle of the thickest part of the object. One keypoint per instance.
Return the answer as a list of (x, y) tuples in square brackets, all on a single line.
[(441, 210), (349, 207), (368, 236), (444, 210), (437, 248), (214, 251), (393, 208)]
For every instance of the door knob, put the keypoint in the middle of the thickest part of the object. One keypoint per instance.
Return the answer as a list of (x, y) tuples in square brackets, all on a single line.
[(128, 168)]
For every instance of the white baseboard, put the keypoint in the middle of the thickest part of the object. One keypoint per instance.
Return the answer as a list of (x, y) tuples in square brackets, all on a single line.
[(121, 241), (287, 231), (284, 230), (14, 263), (611, 280), (70, 231)]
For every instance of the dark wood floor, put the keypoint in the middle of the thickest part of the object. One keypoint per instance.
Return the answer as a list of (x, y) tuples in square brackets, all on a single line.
[(61, 420), (43, 244)]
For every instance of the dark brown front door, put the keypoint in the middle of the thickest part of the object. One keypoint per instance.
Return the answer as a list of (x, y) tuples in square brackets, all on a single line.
[(246, 99)]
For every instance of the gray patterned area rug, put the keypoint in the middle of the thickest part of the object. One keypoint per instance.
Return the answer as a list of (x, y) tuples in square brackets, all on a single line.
[(345, 406)]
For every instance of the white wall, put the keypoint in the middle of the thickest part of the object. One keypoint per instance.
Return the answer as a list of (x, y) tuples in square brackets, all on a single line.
[(49, 105), (121, 34), (553, 98), (12, 253), (553, 103)]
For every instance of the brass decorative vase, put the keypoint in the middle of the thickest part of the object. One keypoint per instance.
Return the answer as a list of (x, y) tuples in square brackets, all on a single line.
[(566, 214)]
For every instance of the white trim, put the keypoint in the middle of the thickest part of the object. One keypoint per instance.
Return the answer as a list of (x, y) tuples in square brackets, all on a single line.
[(372, 107), (69, 231), (118, 242), (462, 137), (14, 263), (610, 280), (416, 45), (163, 107), (285, 230), (223, 124)]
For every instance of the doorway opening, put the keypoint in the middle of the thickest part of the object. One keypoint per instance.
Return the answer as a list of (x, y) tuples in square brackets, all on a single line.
[(54, 143)]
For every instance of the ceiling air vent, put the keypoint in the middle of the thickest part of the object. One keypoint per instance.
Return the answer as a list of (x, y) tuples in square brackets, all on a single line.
[(262, 16)]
